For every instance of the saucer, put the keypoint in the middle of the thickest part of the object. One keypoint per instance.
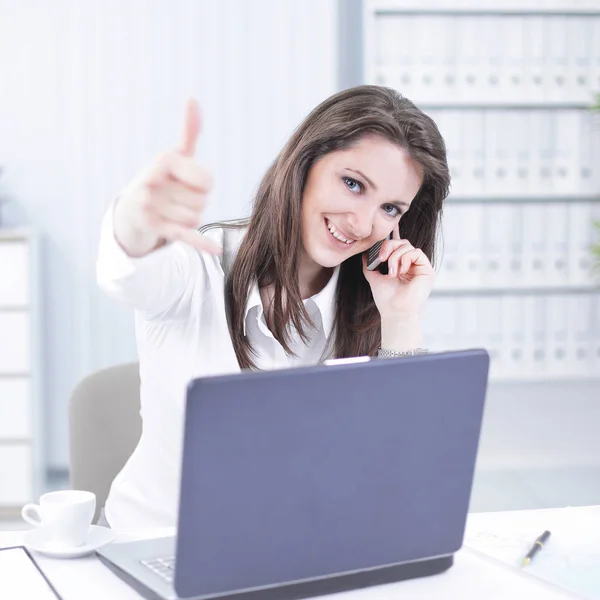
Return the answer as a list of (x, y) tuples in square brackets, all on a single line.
[(36, 539)]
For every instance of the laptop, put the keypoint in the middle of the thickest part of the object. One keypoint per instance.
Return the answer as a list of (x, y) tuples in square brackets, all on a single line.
[(314, 480)]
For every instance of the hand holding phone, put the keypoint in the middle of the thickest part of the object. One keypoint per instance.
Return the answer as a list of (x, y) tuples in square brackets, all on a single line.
[(373, 261)]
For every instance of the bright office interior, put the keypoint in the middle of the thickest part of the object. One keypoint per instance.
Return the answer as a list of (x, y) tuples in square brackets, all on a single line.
[(91, 91)]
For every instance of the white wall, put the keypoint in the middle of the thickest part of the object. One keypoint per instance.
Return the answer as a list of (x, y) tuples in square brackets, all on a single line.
[(91, 90)]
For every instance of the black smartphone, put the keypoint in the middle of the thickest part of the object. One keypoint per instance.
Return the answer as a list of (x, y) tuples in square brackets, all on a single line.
[(373, 261)]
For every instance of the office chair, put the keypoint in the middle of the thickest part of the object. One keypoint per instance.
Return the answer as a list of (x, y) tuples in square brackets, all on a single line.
[(104, 428)]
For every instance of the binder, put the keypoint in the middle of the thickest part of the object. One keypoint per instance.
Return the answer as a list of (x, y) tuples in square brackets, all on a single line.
[(513, 333), (511, 122), (490, 317), (512, 84), (580, 232), (490, 50), (534, 245), (449, 273), (472, 132), (557, 244), (587, 160), (392, 65), (555, 43), (524, 146), (535, 58), (557, 356), (595, 54), (440, 324), (596, 334), (566, 132), (579, 340), (433, 70), (545, 136), (467, 311), (449, 63), (468, 67), (470, 262), (499, 243), (493, 154), (420, 59), (535, 354), (578, 31), (449, 124)]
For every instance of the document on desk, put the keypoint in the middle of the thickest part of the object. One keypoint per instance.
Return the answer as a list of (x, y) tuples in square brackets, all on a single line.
[(571, 558), (20, 577)]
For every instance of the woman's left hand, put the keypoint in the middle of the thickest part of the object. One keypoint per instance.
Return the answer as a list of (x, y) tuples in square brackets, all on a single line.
[(401, 293)]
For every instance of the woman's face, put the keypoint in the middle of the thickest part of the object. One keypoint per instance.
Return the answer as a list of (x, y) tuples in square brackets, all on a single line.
[(355, 197)]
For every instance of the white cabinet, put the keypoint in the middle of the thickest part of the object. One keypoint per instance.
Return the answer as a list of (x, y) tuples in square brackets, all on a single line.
[(21, 466)]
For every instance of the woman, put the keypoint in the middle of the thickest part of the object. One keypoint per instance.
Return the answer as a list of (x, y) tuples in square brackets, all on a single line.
[(287, 287)]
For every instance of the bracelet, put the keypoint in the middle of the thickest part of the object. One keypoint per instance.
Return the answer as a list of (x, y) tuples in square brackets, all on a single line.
[(382, 353)]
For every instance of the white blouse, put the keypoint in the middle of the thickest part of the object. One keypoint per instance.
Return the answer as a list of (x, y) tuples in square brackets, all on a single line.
[(182, 333)]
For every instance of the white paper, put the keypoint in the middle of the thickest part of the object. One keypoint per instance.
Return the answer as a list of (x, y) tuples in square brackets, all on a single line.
[(571, 556), (20, 579)]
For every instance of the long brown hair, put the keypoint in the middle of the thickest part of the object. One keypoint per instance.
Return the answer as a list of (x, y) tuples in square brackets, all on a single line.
[(271, 247)]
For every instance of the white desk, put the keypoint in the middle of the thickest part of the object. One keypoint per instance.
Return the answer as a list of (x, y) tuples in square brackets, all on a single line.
[(504, 536)]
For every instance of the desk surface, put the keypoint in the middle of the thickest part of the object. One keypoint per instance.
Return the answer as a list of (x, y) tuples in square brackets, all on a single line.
[(572, 559)]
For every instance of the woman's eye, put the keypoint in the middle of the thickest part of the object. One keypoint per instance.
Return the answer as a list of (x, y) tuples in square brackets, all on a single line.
[(392, 210), (352, 184)]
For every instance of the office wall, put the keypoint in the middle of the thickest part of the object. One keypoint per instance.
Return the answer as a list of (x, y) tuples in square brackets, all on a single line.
[(91, 90)]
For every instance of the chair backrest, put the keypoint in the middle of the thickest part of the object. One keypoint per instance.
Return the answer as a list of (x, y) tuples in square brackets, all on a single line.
[(104, 428)]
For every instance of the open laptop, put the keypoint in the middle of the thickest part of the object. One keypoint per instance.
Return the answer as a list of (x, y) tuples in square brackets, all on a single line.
[(319, 479)]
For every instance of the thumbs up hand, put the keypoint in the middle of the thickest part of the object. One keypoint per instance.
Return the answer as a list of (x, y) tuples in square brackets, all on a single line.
[(165, 202)]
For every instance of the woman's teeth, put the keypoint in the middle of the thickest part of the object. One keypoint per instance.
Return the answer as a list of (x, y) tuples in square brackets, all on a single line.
[(336, 234)]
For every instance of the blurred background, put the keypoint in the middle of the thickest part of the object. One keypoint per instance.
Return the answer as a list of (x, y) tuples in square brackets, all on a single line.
[(91, 91)]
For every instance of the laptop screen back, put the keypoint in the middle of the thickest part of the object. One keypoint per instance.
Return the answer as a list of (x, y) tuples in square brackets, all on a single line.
[(299, 474)]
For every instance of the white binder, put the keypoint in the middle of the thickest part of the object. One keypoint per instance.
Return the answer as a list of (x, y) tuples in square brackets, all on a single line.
[(468, 60), (472, 128), (534, 59), (511, 78), (565, 171), (513, 335), (580, 239), (523, 147), (491, 318), (534, 245), (579, 341), (555, 44), (579, 51), (557, 323), (472, 249), (501, 242), (451, 266), (557, 244)]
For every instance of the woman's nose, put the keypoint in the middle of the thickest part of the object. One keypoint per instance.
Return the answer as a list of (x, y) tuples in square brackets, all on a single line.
[(360, 225)]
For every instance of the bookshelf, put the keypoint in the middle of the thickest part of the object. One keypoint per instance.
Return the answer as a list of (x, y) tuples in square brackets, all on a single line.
[(21, 441), (510, 85)]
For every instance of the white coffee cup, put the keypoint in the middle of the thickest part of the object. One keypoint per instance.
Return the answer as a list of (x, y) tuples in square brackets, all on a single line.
[(66, 516)]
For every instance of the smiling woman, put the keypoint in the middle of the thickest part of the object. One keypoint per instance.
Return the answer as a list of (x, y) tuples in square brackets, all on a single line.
[(290, 286), (346, 179)]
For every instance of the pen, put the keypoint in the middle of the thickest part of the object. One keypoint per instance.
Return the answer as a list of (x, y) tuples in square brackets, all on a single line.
[(537, 546)]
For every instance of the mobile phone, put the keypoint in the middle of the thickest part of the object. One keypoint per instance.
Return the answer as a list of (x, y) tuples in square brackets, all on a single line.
[(373, 261)]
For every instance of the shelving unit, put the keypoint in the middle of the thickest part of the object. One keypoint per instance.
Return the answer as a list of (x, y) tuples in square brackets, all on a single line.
[(21, 461), (510, 85)]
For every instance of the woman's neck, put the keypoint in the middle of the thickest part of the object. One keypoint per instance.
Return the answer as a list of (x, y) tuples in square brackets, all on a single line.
[(312, 277)]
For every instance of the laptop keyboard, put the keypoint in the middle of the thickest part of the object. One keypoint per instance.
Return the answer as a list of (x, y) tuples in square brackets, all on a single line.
[(163, 567)]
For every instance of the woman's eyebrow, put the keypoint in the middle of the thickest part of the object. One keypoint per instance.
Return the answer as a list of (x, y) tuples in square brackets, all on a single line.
[(399, 202), (364, 177)]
